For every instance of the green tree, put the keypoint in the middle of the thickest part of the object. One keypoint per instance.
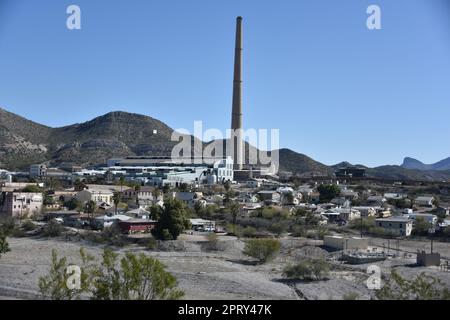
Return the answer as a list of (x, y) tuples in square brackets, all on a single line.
[(234, 210), (137, 189), (421, 226), (328, 192), (79, 185), (166, 189), (289, 198), (134, 277), (299, 214), (91, 207), (48, 200), (155, 212), (54, 285), (116, 200), (156, 193), (173, 219), (263, 250), (72, 204), (107, 285), (198, 208), (32, 189), (140, 277), (121, 183)]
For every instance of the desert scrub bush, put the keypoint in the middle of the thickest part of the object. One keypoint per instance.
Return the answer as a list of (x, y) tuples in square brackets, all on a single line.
[(278, 228), (151, 244), (310, 269), (4, 246), (93, 236), (262, 250), (7, 225), (241, 232), (18, 233), (28, 226), (109, 236), (380, 232), (366, 224), (212, 241), (248, 232), (350, 296), (320, 232), (134, 277), (422, 287), (299, 231), (52, 229), (113, 236)]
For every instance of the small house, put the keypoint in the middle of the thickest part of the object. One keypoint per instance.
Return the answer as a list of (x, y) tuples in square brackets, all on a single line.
[(398, 225)]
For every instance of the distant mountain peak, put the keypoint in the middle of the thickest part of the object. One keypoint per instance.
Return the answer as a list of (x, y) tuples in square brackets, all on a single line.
[(411, 163)]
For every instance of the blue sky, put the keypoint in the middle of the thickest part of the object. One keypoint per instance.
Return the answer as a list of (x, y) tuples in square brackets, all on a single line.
[(336, 90)]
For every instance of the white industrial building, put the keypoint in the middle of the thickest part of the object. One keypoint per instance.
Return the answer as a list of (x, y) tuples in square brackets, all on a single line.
[(161, 171)]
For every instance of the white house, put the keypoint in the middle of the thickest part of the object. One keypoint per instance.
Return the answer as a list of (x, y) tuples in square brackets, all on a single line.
[(401, 226), (99, 196), (376, 200), (188, 198), (428, 217), (424, 201)]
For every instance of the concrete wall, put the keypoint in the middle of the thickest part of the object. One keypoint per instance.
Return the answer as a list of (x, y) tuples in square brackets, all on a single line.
[(341, 243), (428, 259)]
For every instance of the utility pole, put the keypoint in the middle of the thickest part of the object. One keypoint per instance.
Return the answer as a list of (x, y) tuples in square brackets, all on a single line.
[(431, 232)]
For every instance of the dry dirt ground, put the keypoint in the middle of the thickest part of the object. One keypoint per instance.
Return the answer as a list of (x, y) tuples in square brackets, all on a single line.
[(201, 274)]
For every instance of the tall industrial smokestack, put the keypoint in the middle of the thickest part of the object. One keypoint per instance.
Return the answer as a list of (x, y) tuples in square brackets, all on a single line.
[(236, 116)]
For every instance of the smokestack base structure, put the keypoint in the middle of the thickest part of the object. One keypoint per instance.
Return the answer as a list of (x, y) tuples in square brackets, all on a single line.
[(236, 115)]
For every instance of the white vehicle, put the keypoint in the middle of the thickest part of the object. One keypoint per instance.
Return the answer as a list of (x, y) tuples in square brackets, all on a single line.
[(59, 220)]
